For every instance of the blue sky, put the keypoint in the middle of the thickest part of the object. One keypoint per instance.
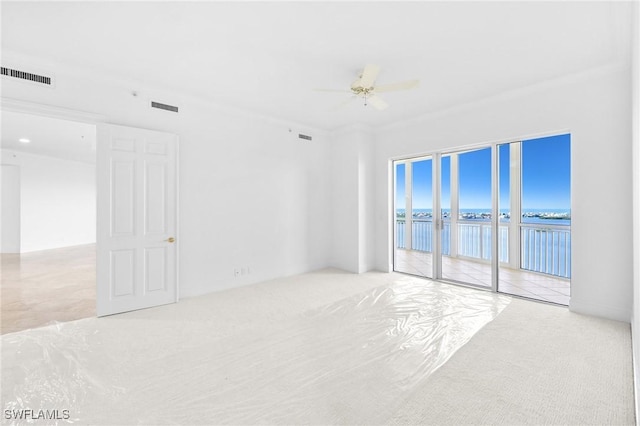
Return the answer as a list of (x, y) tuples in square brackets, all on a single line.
[(474, 179), (504, 177), (546, 173), (545, 177), (422, 192)]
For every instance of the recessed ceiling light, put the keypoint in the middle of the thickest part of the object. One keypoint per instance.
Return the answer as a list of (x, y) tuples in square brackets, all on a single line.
[(24, 140)]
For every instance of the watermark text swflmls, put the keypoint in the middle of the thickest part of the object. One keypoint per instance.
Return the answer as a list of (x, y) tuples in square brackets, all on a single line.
[(30, 414)]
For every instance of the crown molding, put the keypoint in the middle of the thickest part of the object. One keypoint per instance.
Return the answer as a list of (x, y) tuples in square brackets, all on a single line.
[(26, 107)]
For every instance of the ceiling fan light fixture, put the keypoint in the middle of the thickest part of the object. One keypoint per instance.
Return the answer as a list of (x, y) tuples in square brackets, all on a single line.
[(365, 87)]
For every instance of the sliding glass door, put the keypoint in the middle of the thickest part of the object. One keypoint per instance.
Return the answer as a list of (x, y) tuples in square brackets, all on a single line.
[(466, 214), (535, 207), (496, 217), (413, 251)]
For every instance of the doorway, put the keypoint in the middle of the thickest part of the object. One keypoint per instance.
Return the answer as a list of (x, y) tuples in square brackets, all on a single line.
[(132, 242), (466, 216), (49, 266), (502, 217), (413, 251), (535, 218)]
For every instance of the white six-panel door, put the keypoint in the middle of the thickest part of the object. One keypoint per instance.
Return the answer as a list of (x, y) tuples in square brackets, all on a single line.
[(137, 219)]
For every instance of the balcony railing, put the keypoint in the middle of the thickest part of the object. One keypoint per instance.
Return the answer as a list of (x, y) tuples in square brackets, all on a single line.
[(474, 240), (544, 248)]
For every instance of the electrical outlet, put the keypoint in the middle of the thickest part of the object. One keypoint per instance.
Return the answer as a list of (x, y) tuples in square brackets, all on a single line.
[(236, 272)]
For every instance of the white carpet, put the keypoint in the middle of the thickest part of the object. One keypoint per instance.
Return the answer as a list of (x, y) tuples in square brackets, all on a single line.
[(535, 364), (328, 348)]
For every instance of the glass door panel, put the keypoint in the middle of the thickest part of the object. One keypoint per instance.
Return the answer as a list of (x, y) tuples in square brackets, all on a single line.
[(466, 217), (539, 227), (413, 249), (445, 205)]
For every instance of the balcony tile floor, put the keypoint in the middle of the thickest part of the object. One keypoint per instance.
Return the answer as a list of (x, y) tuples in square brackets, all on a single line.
[(518, 282)]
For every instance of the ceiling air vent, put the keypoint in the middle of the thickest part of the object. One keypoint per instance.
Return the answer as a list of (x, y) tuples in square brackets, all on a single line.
[(164, 106), (26, 76), (305, 137)]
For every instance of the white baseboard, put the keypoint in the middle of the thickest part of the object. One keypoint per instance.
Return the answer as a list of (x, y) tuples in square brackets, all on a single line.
[(636, 376)]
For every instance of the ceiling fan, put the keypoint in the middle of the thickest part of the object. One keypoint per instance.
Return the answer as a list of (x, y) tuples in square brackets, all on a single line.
[(364, 87)]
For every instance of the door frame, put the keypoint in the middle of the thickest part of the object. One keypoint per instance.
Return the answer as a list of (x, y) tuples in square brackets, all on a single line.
[(408, 188), (52, 111), (495, 186), (437, 224)]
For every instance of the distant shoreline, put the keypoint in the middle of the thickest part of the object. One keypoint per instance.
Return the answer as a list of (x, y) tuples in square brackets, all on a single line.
[(483, 215)]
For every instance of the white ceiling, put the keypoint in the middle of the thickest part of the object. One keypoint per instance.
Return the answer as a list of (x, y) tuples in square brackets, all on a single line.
[(51, 137), (268, 57)]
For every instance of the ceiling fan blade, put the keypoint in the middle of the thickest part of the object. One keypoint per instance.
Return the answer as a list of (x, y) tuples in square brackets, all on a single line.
[(404, 85), (377, 102), (369, 75)]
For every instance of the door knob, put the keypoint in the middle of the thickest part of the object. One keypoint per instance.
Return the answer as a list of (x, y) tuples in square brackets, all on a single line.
[(170, 240)]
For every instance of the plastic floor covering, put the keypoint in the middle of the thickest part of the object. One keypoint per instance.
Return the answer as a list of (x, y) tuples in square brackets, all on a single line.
[(349, 362)]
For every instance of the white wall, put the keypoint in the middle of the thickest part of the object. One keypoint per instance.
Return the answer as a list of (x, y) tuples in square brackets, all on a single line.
[(10, 209), (251, 193), (345, 187), (58, 202), (352, 198), (367, 195), (594, 108), (635, 114)]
